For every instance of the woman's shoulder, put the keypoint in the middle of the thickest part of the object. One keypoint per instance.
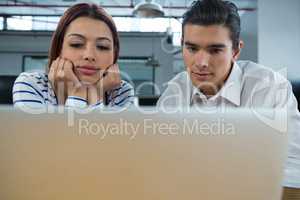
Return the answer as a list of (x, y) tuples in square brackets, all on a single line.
[(124, 86), (34, 78), (29, 84), (122, 94)]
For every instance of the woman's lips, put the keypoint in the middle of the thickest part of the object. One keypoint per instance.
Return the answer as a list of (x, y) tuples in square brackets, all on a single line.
[(87, 70)]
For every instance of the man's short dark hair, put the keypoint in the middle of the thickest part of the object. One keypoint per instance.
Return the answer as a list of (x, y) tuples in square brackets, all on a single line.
[(214, 12)]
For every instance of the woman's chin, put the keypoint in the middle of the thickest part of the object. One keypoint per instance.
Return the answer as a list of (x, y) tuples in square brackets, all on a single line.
[(87, 80), (86, 83)]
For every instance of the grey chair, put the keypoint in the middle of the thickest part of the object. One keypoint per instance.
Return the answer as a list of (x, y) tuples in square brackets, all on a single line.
[(296, 90), (6, 85)]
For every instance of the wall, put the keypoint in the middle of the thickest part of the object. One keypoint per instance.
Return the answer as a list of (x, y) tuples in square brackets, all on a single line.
[(249, 36), (15, 45), (279, 35)]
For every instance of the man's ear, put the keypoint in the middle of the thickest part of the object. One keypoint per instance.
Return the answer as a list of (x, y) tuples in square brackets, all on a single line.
[(237, 51)]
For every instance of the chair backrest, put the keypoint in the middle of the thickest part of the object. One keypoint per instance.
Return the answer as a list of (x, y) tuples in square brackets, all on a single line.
[(148, 100), (296, 91), (6, 85)]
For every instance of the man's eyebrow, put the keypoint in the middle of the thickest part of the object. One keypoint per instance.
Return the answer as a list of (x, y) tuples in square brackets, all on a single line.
[(81, 36), (190, 44), (217, 45)]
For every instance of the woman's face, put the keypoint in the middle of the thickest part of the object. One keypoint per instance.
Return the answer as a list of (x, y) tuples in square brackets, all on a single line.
[(88, 43)]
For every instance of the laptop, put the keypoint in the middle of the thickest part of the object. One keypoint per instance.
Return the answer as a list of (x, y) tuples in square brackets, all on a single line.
[(141, 154)]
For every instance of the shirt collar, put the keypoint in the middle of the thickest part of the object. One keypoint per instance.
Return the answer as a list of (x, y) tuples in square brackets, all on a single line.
[(231, 90)]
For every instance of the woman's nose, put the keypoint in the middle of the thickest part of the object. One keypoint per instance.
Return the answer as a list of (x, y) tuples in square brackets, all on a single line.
[(89, 54)]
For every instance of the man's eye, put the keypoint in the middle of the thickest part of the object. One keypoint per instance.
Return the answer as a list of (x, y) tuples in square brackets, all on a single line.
[(192, 49), (215, 51), (76, 45)]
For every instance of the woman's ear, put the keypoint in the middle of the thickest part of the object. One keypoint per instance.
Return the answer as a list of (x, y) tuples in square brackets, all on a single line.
[(237, 51)]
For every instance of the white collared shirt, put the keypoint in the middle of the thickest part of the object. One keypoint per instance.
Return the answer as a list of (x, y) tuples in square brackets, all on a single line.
[(230, 92), (249, 85)]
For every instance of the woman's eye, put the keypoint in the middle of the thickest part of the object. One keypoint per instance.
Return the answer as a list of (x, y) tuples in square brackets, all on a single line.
[(76, 45), (101, 47)]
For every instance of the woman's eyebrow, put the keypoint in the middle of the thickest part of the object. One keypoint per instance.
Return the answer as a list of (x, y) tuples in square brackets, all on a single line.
[(103, 38), (82, 36), (75, 34)]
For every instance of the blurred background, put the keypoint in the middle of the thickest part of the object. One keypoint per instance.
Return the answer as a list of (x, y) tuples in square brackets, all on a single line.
[(150, 33)]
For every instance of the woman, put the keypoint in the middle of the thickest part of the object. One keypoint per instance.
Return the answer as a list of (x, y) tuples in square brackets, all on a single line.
[(82, 69)]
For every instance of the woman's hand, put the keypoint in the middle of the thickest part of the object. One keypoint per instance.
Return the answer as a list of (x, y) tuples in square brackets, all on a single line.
[(109, 79), (64, 81)]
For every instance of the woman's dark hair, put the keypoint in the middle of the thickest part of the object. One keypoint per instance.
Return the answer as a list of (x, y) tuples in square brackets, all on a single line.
[(214, 12), (81, 10)]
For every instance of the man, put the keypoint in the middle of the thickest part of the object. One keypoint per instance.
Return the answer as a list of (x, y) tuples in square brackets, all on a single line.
[(213, 78)]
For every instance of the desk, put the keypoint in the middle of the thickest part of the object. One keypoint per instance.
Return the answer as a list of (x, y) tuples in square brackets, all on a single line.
[(291, 193)]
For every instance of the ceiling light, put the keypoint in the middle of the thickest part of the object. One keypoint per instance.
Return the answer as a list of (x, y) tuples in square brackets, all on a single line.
[(148, 9)]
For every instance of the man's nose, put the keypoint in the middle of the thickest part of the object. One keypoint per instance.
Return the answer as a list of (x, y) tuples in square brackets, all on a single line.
[(201, 59)]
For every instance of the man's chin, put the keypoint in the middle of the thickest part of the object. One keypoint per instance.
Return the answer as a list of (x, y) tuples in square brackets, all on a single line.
[(205, 85)]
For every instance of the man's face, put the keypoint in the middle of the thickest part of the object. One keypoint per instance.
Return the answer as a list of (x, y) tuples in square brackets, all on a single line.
[(208, 56)]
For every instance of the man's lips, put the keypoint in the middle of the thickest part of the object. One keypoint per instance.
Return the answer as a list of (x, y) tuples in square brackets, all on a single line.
[(88, 70), (202, 75)]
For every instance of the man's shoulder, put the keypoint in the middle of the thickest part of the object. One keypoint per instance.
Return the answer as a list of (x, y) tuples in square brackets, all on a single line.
[(177, 92), (252, 70), (181, 77), (249, 67)]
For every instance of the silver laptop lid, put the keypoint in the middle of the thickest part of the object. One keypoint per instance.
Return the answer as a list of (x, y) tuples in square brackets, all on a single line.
[(137, 155)]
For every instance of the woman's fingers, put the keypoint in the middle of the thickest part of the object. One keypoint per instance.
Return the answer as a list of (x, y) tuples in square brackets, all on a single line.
[(104, 72), (114, 68), (60, 82), (60, 69), (111, 80), (74, 86), (64, 80), (115, 75), (52, 72), (112, 71), (70, 75), (93, 95)]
